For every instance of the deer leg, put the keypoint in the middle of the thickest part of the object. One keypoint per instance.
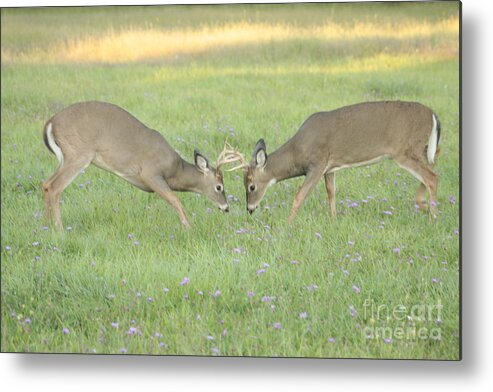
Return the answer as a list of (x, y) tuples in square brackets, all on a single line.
[(46, 196), (55, 185), (420, 197), (159, 185), (330, 185), (311, 179), (427, 177)]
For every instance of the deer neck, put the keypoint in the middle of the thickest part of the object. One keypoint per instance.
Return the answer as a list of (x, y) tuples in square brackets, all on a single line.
[(185, 178), (281, 164)]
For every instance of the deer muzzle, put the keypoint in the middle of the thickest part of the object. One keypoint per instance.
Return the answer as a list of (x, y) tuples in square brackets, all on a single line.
[(250, 209), (224, 208)]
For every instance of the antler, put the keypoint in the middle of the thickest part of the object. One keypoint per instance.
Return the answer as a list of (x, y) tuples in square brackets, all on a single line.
[(229, 155)]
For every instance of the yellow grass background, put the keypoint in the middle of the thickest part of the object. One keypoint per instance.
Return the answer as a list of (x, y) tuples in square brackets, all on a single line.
[(135, 45)]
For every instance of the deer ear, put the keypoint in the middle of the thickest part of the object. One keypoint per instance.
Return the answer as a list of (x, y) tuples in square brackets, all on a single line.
[(260, 154), (201, 162)]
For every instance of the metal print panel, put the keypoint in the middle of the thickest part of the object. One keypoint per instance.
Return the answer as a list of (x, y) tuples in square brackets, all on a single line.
[(330, 132)]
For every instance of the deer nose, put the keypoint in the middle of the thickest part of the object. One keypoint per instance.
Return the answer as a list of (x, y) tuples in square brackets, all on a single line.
[(251, 209), (224, 208)]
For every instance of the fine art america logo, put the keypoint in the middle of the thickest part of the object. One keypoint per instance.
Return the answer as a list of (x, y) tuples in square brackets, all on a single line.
[(400, 322)]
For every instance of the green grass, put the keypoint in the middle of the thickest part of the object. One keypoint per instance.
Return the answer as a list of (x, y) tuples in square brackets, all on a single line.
[(95, 274)]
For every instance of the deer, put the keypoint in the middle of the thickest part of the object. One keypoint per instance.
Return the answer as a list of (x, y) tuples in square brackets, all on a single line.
[(351, 136), (112, 139)]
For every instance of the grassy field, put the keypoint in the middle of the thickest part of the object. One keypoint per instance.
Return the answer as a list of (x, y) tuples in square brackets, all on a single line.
[(380, 281)]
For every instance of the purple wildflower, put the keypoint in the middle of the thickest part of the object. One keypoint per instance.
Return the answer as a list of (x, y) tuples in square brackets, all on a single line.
[(356, 289), (318, 235), (397, 251), (215, 351), (136, 243), (294, 262), (250, 294), (388, 340), (331, 340), (357, 258), (65, 331), (451, 199), (36, 243), (350, 242), (277, 325), (184, 281), (260, 271), (133, 331), (166, 290), (353, 311), (123, 350), (387, 213), (435, 280), (303, 315), (210, 337), (312, 287), (150, 299), (114, 325), (7, 248), (266, 298), (216, 294)]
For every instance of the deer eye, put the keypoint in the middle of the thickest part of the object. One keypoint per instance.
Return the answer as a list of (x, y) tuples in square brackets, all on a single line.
[(252, 188), (219, 188)]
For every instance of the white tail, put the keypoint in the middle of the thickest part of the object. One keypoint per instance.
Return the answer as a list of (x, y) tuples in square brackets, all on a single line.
[(351, 136), (112, 139), (432, 142)]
